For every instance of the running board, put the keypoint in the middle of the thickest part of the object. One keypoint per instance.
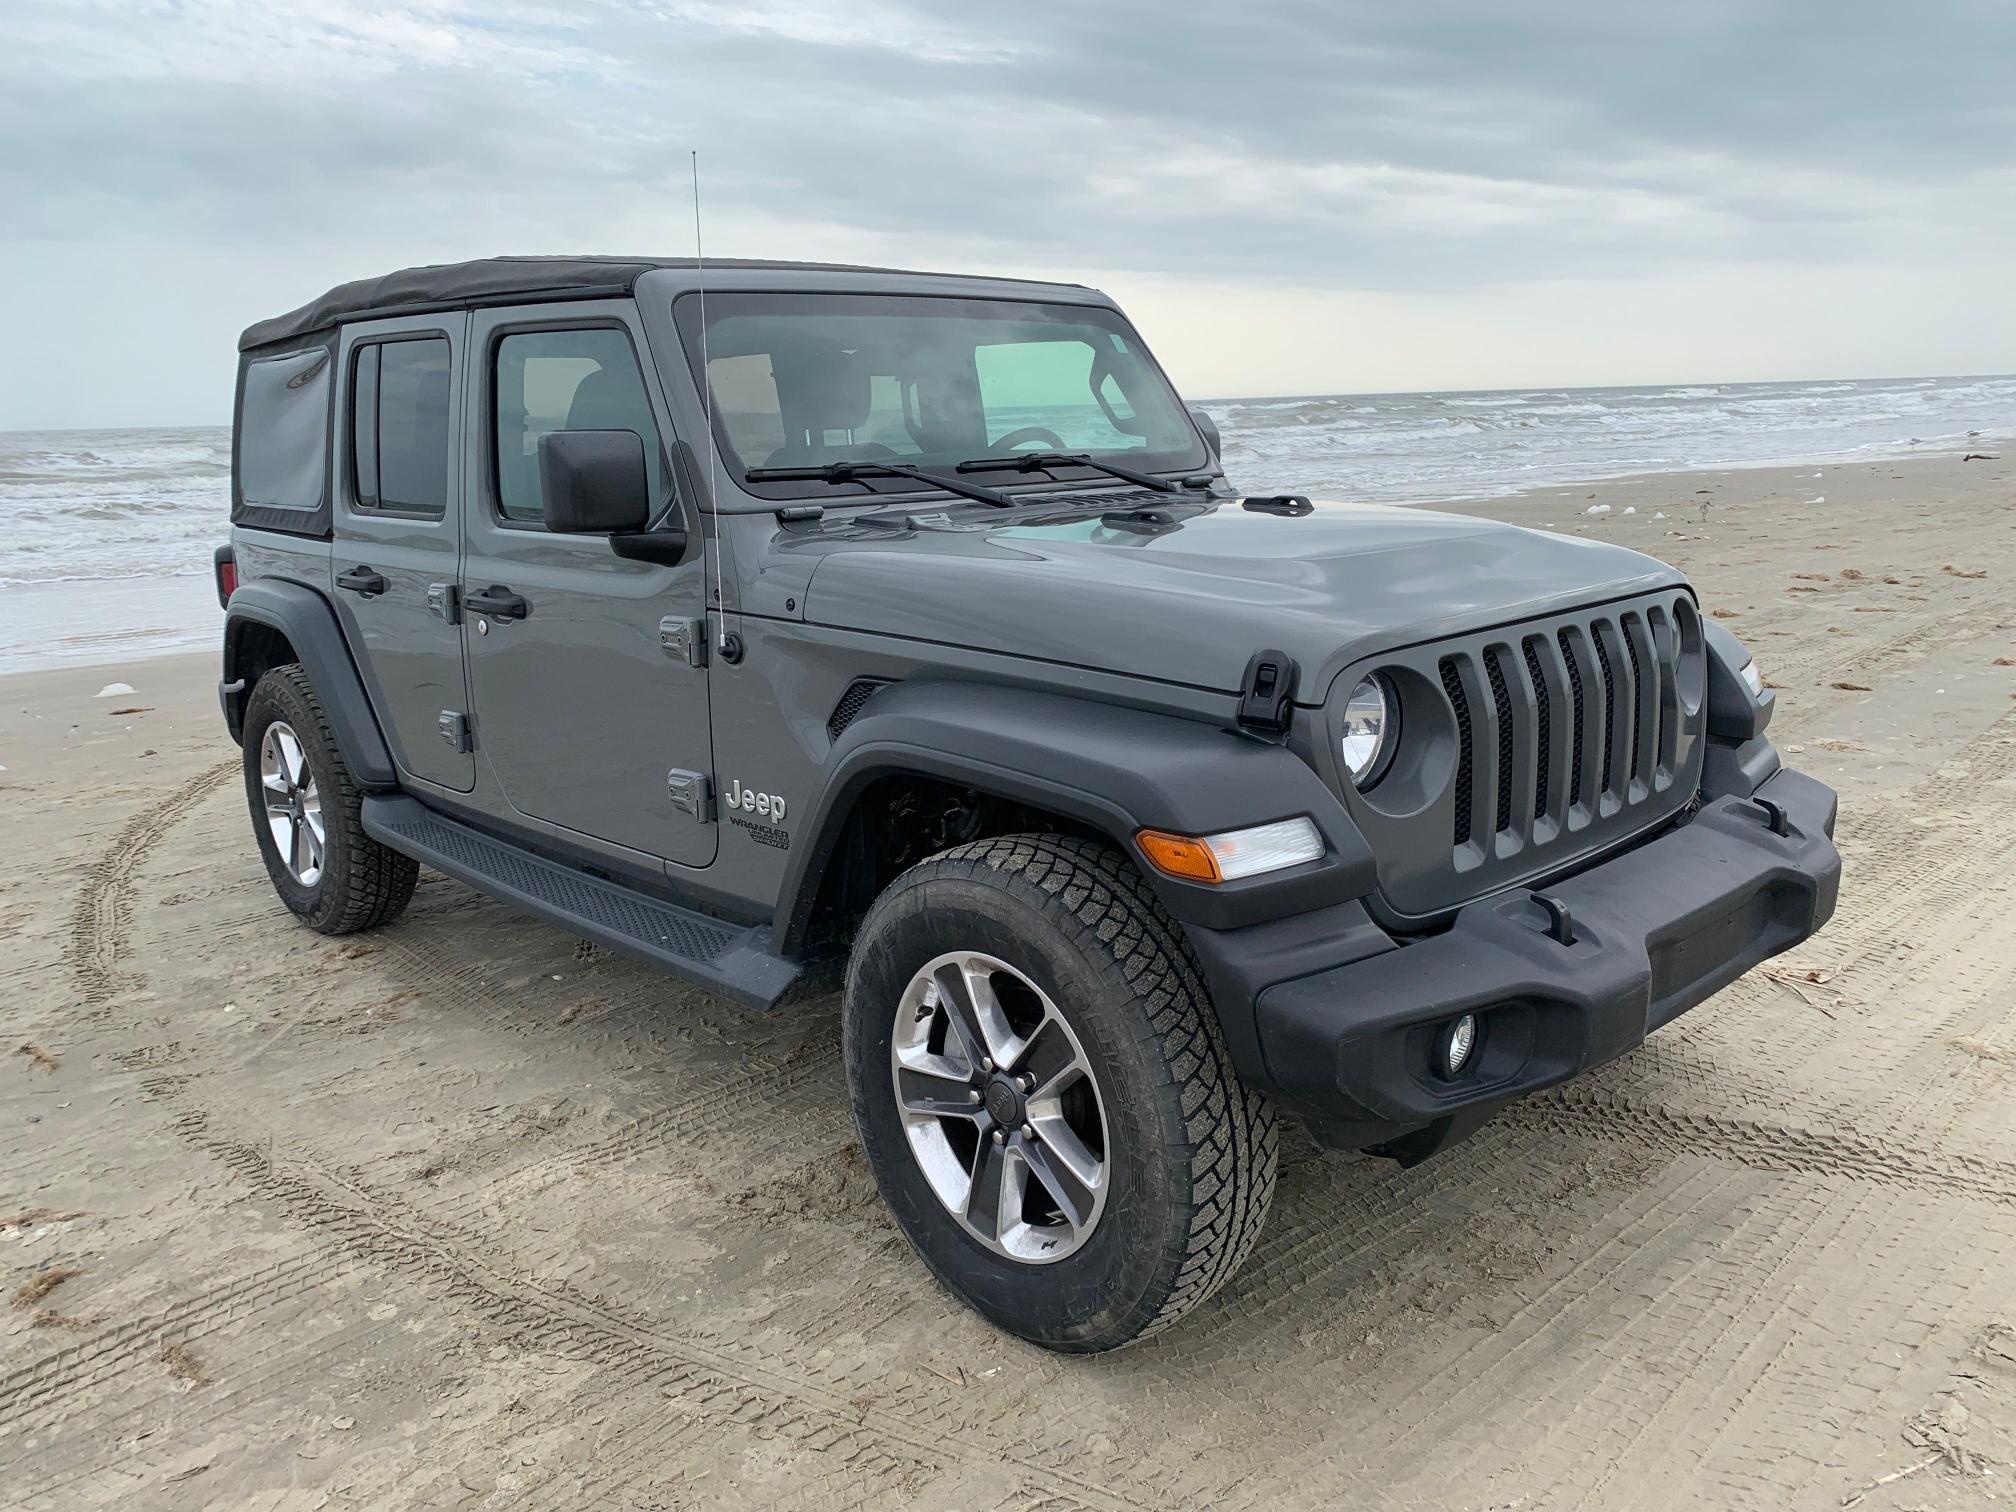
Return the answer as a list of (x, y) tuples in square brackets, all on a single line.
[(738, 963)]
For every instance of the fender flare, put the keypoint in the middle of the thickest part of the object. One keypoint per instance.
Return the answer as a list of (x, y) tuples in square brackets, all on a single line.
[(1116, 770), (309, 622)]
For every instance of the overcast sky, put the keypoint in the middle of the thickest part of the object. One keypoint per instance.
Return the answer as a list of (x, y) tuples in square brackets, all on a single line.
[(1288, 197)]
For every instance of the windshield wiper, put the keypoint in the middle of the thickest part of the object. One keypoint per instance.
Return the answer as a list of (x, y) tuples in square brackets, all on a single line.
[(1044, 461), (855, 472)]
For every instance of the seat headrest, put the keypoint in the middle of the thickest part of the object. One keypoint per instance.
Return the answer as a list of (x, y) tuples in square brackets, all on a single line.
[(820, 388), (604, 400)]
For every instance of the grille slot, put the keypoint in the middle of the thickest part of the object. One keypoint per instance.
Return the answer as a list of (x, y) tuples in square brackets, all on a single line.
[(1638, 731), (1575, 789), (1501, 700), (1452, 684), (1545, 711), (1597, 634)]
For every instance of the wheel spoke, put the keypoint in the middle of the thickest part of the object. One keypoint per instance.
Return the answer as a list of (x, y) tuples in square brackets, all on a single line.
[(294, 759), (987, 1198), (955, 996), (281, 823), (1068, 1170), (1050, 1057), (297, 852), (941, 1094)]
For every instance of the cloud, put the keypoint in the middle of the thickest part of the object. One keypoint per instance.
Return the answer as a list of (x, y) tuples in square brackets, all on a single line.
[(1339, 148)]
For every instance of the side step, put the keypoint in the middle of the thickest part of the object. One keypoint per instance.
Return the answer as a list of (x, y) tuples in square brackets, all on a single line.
[(738, 963)]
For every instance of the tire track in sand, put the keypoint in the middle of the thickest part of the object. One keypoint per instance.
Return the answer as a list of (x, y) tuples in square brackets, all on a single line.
[(104, 908)]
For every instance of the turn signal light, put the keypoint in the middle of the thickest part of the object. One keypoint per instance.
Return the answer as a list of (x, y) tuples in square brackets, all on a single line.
[(1232, 854), (1180, 856)]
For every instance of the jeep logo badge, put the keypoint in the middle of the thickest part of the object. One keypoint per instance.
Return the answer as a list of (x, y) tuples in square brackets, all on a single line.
[(749, 801)]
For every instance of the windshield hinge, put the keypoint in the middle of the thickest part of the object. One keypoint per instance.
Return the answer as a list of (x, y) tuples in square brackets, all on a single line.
[(1266, 696)]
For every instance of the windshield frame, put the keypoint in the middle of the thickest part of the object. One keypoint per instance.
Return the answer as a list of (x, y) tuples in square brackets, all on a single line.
[(1196, 458)]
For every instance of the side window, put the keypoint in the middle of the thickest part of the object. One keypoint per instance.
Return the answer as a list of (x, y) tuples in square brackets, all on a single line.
[(545, 381), (399, 425)]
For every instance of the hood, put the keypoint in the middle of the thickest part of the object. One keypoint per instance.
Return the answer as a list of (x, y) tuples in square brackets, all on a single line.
[(1189, 601)]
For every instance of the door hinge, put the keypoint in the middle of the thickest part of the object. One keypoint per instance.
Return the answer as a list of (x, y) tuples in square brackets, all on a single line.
[(685, 639), (445, 599), (454, 728), (1267, 694), (691, 793)]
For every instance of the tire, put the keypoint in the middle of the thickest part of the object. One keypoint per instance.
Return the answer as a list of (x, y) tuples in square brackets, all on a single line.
[(358, 883), (1185, 1152)]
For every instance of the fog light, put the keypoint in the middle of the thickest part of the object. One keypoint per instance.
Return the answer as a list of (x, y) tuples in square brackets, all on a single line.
[(1453, 1046)]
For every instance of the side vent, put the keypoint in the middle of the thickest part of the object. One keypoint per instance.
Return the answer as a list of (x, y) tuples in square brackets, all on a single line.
[(851, 703)]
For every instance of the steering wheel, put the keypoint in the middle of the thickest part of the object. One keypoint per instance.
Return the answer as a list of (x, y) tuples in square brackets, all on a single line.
[(1050, 439)]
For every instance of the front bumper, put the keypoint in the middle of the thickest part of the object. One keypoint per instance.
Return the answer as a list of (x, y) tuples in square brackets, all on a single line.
[(1655, 931)]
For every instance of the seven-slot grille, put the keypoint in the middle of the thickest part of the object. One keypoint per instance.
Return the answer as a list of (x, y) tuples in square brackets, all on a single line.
[(1562, 726)]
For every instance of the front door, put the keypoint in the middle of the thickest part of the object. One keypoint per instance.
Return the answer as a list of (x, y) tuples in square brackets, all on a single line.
[(397, 543), (581, 710)]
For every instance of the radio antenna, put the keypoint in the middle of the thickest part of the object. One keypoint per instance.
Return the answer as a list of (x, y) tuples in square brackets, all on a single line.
[(707, 411)]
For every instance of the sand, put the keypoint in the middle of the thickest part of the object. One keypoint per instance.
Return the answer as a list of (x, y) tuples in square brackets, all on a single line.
[(467, 1213)]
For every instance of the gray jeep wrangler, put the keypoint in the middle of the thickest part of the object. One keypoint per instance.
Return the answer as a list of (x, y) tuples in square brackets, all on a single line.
[(745, 616)]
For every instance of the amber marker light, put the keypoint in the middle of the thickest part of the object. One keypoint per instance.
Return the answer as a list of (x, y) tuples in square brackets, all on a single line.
[(1234, 854), (1180, 856)]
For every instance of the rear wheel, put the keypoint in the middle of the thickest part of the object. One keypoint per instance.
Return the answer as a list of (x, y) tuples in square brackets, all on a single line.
[(1043, 1095), (305, 813)]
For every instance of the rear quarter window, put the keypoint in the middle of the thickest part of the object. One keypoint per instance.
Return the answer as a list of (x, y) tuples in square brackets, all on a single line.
[(283, 431)]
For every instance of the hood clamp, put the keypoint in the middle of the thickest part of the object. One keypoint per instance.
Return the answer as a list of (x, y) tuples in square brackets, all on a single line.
[(1267, 693)]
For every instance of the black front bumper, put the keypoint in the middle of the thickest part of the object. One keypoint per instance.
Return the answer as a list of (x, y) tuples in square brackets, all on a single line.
[(1655, 931)]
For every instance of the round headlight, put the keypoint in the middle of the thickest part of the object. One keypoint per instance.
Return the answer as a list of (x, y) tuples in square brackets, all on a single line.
[(1368, 722)]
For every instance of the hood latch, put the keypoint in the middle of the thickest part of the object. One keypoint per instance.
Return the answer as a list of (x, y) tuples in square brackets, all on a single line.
[(1267, 695)]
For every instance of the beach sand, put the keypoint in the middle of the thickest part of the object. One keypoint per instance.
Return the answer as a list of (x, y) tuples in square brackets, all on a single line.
[(470, 1213)]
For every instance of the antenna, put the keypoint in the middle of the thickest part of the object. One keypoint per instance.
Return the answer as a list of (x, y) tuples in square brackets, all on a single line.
[(721, 637)]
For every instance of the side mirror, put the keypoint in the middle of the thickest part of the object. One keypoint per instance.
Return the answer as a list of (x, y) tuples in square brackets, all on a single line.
[(1210, 429), (593, 482)]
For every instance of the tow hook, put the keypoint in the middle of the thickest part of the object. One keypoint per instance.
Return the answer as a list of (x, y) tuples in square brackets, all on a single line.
[(1560, 923), (1774, 817)]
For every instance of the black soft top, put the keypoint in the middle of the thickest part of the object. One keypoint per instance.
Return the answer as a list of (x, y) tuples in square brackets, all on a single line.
[(494, 280)]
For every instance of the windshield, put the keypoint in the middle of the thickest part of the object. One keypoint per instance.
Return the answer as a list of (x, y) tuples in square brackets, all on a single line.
[(802, 380)]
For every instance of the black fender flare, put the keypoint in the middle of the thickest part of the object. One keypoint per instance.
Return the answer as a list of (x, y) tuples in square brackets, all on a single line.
[(309, 622), (1116, 770)]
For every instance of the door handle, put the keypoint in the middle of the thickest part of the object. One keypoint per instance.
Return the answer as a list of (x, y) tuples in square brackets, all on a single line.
[(361, 580), (497, 601)]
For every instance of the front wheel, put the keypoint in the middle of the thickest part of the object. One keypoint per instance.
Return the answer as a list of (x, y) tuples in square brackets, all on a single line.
[(1043, 1094)]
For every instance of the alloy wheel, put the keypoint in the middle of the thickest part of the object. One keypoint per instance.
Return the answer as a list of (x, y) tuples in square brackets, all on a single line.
[(293, 803), (1000, 1106)]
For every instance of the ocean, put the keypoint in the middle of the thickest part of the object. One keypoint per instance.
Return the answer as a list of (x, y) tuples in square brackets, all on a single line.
[(106, 535)]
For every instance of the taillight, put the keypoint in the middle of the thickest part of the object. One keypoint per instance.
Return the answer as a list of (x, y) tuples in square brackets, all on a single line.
[(225, 565)]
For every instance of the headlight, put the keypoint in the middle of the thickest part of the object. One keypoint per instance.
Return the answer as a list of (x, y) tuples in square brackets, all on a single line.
[(1752, 679), (1368, 724)]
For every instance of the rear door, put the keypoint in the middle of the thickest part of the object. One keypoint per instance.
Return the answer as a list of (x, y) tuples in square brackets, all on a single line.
[(582, 712), (397, 558)]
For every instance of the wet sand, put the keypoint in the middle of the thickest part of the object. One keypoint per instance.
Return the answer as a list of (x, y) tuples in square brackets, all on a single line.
[(470, 1213)]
